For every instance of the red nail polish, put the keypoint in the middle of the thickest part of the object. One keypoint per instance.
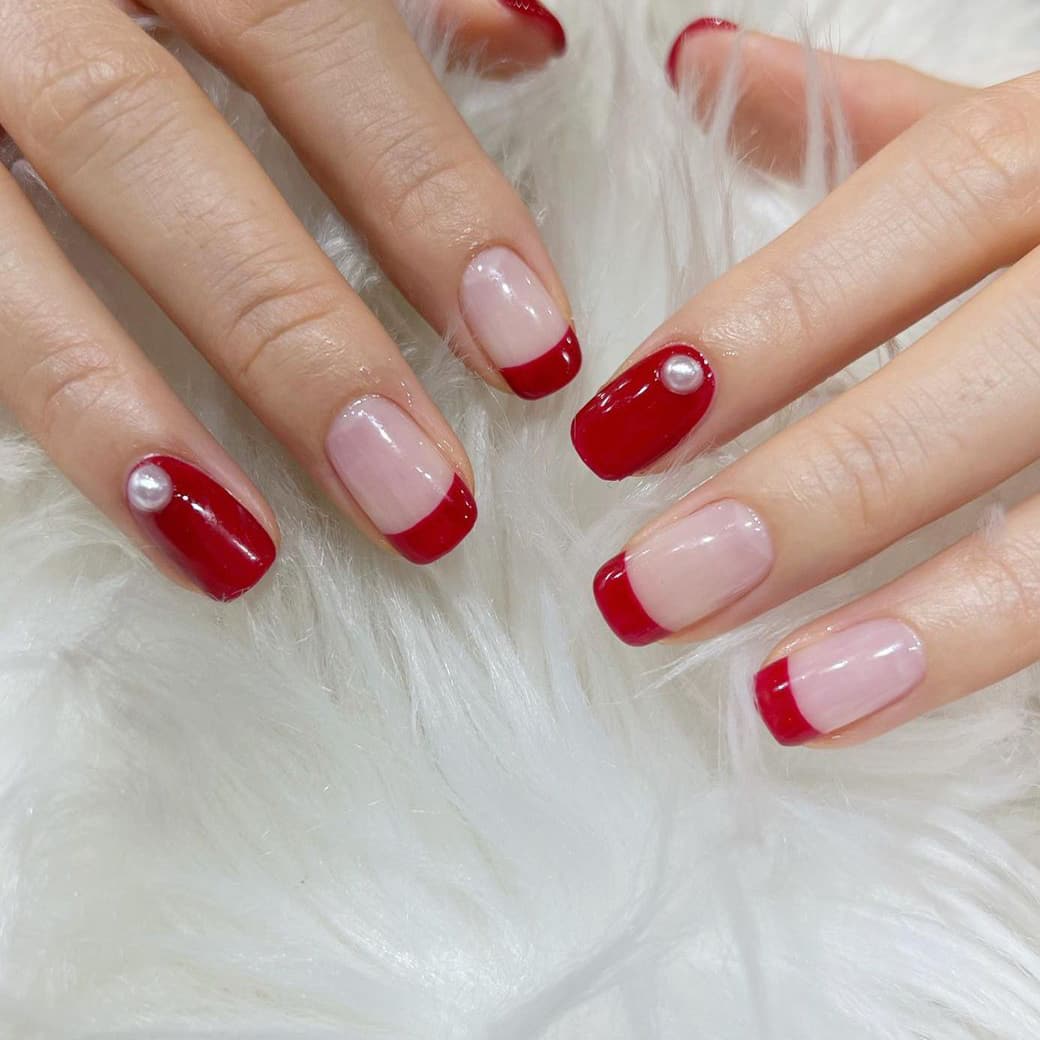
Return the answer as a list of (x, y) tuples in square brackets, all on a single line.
[(548, 373), (533, 9), (644, 413), (620, 606), (437, 534), (778, 708), (699, 26), (207, 532)]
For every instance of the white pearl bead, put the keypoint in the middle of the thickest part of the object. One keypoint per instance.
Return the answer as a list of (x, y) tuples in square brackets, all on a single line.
[(682, 374), (149, 488)]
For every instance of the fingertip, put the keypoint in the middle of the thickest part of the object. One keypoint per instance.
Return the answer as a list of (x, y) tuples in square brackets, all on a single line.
[(699, 27), (540, 19)]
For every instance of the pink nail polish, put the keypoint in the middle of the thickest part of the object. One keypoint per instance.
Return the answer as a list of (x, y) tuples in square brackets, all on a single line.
[(543, 17), (513, 317), (839, 680), (699, 26), (684, 573), (406, 487)]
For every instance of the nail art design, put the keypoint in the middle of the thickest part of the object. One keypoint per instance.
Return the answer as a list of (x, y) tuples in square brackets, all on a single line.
[(200, 525), (644, 413), (684, 573), (699, 26), (406, 487), (513, 317), (841, 679), (534, 10)]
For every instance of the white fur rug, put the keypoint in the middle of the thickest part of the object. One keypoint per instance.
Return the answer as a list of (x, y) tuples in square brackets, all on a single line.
[(376, 802)]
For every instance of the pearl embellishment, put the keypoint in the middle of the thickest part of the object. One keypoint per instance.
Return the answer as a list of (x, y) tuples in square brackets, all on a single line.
[(149, 488), (682, 374)]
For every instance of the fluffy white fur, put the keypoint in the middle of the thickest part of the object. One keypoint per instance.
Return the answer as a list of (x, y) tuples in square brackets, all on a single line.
[(372, 801)]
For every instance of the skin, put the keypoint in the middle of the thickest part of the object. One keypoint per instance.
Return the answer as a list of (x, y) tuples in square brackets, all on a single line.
[(947, 194), (137, 153)]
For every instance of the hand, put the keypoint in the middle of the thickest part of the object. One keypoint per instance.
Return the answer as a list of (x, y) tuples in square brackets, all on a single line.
[(135, 151), (950, 197)]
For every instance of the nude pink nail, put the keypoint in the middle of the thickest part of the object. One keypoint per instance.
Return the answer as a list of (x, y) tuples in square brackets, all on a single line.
[(684, 572), (839, 680), (513, 317), (406, 487)]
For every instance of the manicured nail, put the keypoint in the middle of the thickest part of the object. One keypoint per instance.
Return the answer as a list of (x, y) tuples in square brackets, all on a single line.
[(644, 413), (515, 320), (406, 487), (546, 19), (700, 26), (839, 680), (684, 573), (200, 525)]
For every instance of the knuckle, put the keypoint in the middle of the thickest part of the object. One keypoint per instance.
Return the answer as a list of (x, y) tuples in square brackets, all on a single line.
[(1003, 574), (988, 154), (91, 90), (271, 322), (67, 383)]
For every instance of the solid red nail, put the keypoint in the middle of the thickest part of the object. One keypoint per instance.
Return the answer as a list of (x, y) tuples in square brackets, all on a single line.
[(548, 373), (620, 606), (776, 704), (701, 25), (644, 413), (548, 21), (200, 525), (438, 533)]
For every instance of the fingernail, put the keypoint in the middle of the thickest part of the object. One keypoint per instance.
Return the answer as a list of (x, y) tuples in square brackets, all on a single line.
[(644, 413), (839, 680), (546, 19), (200, 525), (701, 25), (406, 487), (515, 320), (684, 573)]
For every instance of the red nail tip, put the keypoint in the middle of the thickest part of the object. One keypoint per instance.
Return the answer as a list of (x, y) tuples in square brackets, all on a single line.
[(778, 707), (533, 9), (699, 26), (437, 534), (203, 528), (621, 608), (636, 419), (548, 373)]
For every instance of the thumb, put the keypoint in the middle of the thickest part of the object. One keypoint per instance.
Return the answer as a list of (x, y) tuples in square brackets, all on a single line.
[(879, 99)]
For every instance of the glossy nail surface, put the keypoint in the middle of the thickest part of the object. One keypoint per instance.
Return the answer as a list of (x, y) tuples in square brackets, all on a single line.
[(406, 487), (701, 25), (199, 525), (513, 317), (839, 680), (545, 19), (644, 413), (684, 573)]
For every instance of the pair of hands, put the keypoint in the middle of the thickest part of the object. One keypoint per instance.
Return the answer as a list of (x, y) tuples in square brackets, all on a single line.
[(136, 152)]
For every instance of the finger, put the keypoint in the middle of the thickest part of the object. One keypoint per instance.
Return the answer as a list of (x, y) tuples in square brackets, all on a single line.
[(958, 623), (72, 378), (132, 146), (947, 203), (778, 84), (503, 37), (405, 170), (949, 419)]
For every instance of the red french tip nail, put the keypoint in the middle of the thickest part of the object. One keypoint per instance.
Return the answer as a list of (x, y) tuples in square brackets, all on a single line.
[(620, 606), (644, 413), (200, 525), (533, 9), (438, 533), (699, 26), (775, 701), (548, 373)]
